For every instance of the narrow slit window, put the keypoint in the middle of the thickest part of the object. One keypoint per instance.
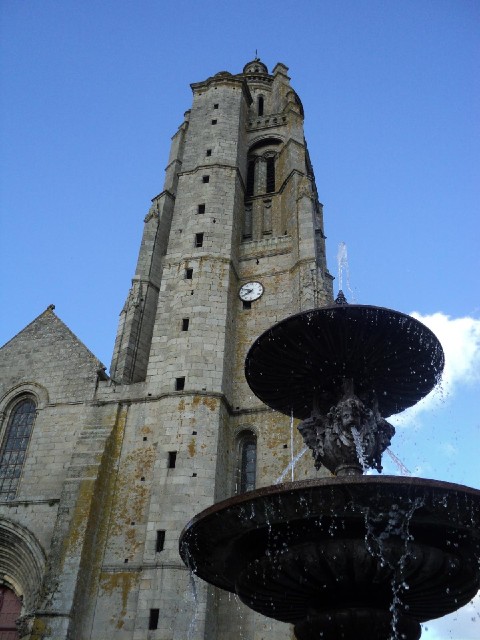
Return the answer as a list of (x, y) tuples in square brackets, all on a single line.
[(247, 461), (199, 240), (250, 178), (188, 274), (214, 122), (247, 304), (153, 619), (260, 105), (201, 208), (185, 323), (215, 106), (270, 175), (209, 153), (172, 459), (160, 541), (205, 179), (179, 384)]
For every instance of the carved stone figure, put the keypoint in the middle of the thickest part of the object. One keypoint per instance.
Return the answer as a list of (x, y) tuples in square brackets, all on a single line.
[(349, 439)]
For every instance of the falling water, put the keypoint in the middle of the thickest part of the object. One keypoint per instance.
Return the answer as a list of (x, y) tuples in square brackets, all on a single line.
[(342, 265), (402, 468), (359, 448), (381, 527), (291, 445), (292, 463), (190, 562)]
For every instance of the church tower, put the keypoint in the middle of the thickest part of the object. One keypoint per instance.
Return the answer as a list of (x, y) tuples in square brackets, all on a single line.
[(233, 244)]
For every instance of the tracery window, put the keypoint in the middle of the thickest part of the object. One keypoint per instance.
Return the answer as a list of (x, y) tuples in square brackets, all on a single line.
[(247, 462), (14, 447)]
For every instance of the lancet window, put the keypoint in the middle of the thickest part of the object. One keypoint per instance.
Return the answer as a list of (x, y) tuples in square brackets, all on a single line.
[(261, 168), (14, 447)]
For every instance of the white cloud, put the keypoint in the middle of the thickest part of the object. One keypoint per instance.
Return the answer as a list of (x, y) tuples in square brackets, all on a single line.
[(460, 339), (448, 449)]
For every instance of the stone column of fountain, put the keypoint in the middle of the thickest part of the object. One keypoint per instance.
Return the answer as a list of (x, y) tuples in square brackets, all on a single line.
[(352, 556)]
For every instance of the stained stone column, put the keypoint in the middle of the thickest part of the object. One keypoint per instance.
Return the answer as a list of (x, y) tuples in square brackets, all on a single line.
[(260, 176), (267, 217), (247, 224)]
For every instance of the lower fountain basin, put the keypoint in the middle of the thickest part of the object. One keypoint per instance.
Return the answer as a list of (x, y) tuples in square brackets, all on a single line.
[(343, 557)]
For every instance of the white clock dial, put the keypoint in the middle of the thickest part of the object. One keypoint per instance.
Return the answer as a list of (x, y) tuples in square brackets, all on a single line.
[(250, 291)]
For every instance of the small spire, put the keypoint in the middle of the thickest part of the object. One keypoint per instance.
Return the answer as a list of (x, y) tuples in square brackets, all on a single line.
[(50, 307), (341, 298)]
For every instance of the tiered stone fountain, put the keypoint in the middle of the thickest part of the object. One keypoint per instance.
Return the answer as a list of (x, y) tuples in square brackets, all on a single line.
[(350, 556)]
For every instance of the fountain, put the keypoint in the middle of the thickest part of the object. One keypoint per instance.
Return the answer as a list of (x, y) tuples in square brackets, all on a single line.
[(350, 556)]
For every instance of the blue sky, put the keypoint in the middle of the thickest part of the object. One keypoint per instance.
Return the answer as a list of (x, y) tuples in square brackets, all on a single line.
[(92, 93)]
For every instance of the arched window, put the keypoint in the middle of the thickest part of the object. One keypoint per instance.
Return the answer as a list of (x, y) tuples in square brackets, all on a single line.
[(14, 447), (247, 461), (260, 105), (261, 170)]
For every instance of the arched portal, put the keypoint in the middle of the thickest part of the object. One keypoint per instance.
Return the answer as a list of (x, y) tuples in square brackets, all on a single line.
[(22, 567)]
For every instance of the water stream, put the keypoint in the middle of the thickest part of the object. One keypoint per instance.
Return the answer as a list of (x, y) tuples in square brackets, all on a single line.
[(291, 464), (190, 562), (387, 537), (359, 448), (291, 445), (343, 268), (399, 464)]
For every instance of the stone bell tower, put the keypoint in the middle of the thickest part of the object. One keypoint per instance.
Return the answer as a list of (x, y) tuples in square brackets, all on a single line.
[(232, 244), (239, 203)]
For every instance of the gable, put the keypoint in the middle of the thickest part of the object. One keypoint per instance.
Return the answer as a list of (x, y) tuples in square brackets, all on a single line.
[(49, 353)]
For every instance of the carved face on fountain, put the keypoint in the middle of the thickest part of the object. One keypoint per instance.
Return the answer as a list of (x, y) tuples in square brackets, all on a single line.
[(349, 438)]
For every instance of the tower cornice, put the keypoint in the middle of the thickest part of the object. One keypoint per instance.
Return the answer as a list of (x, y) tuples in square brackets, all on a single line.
[(224, 78)]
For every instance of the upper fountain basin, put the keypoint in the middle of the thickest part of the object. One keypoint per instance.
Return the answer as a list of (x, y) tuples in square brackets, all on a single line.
[(303, 361)]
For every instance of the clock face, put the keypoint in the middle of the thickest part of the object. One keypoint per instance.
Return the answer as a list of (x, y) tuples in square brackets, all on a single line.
[(251, 291)]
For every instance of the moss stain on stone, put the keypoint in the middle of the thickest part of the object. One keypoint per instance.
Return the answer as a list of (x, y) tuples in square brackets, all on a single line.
[(123, 582), (210, 402), (40, 629)]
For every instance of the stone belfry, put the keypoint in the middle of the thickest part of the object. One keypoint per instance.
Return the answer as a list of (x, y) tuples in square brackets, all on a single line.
[(239, 203), (118, 465), (232, 244)]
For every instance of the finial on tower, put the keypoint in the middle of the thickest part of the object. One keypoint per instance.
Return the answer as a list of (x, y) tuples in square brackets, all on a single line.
[(341, 298)]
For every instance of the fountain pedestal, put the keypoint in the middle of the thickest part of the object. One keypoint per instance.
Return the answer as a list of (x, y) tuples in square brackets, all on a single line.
[(351, 556)]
